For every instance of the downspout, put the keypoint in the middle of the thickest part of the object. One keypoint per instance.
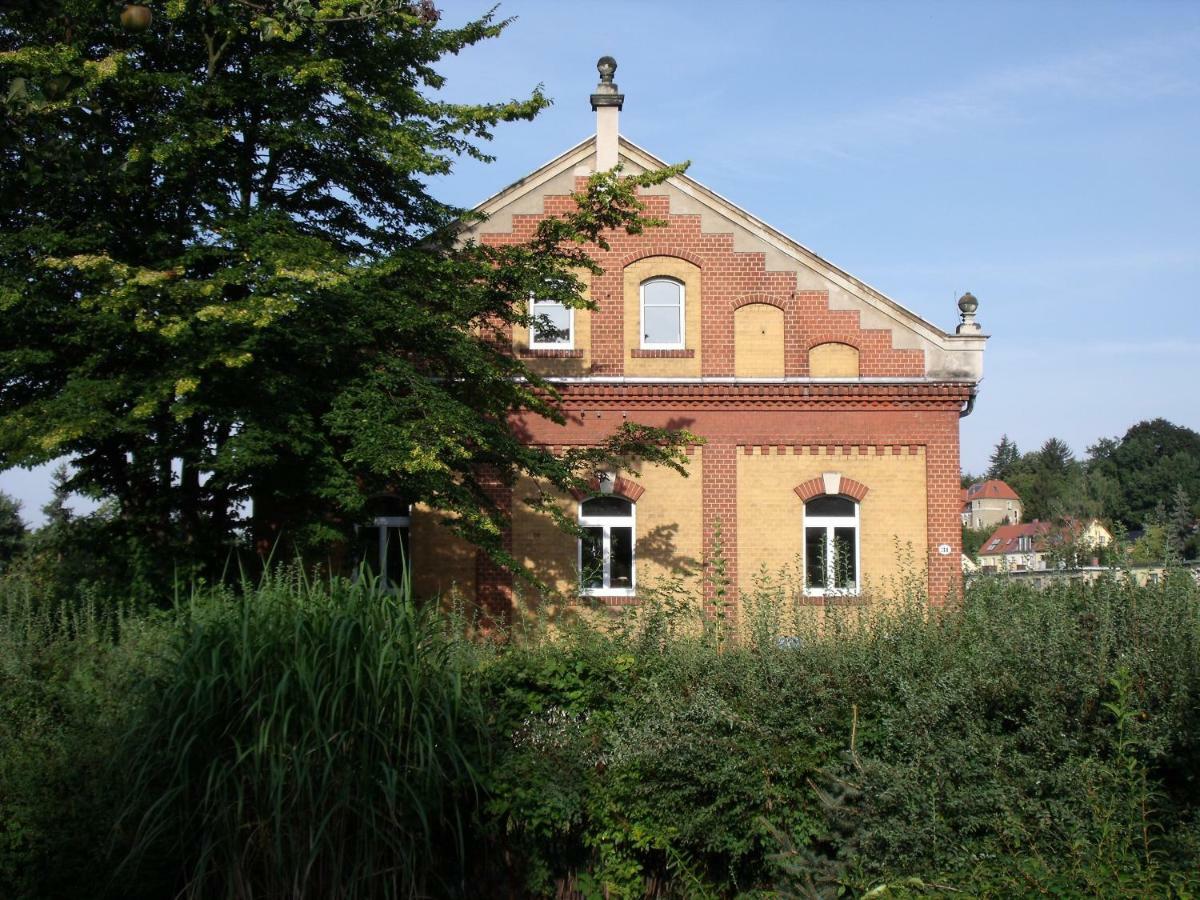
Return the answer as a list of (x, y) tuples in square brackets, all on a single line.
[(970, 407)]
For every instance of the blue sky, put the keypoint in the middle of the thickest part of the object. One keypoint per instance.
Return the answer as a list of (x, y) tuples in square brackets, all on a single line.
[(1045, 156)]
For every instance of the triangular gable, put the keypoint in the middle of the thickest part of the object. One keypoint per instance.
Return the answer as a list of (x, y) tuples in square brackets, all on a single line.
[(948, 356)]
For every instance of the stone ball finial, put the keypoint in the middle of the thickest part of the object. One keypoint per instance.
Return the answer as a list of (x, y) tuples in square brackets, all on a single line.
[(607, 67), (967, 303)]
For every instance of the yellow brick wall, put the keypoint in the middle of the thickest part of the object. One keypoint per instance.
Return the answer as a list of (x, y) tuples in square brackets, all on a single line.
[(833, 361), (441, 561), (583, 340), (543, 549), (683, 271), (669, 524), (770, 517), (668, 542), (758, 341)]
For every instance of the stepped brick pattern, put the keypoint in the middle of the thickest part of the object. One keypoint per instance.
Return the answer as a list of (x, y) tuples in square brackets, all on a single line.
[(864, 426)]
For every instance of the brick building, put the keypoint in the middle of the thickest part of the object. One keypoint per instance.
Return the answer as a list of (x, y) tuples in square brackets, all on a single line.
[(830, 412)]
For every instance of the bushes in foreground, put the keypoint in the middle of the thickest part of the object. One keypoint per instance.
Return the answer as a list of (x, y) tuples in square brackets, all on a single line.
[(302, 739)]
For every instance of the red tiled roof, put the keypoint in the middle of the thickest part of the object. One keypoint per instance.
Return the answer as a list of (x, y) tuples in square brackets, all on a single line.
[(1006, 538), (992, 489)]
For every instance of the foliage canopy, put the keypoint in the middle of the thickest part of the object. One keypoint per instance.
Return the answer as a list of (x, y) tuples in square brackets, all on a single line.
[(223, 276)]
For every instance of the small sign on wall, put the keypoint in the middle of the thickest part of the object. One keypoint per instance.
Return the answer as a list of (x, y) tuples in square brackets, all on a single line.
[(944, 549)]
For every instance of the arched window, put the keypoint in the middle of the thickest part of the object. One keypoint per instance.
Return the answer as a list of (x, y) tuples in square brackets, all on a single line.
[(662, 314), (384, 543), (606, 558), (830, 546)]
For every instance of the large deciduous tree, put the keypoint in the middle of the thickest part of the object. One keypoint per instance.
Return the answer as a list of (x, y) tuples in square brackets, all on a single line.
[(222, 274)]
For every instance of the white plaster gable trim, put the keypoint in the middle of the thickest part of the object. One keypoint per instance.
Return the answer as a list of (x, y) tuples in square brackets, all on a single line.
[(581, 158), (797, 251)]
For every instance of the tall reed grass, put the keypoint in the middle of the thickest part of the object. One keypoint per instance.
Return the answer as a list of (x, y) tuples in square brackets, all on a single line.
[(311, 739)]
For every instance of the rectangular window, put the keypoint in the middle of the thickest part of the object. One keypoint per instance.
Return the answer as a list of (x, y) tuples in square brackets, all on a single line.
[(553, 326), (606, 546), (831, 546)]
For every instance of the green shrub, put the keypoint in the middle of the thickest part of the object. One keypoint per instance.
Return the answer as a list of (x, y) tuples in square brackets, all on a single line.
[(70, 683), (1023, 741)]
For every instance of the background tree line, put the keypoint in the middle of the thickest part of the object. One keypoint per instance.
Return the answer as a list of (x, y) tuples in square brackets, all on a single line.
[(1146, 482)]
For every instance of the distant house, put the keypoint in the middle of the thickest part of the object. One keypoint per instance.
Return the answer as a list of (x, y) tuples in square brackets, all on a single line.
[(1036, 546), (990, 503)]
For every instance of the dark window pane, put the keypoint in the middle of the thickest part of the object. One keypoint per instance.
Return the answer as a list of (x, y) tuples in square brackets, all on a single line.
[(829, 506), (814, 557), (397, 555), (607, 507), (844, 568), (591, 562), (368, 546), (621, 567)]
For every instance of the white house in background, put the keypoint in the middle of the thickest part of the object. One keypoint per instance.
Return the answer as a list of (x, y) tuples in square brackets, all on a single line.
[(990, 503)]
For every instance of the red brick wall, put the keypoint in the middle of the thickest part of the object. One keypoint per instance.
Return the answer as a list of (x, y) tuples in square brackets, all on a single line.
[(899, 416), (728, 280)]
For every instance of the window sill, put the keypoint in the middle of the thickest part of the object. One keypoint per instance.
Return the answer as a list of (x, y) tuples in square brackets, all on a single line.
[(547, 353), (638, 353)]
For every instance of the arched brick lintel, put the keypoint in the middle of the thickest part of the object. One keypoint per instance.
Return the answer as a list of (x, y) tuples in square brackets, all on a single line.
[(767, 299), (650, 252), (816, 487), (622, 487), (822, 340)]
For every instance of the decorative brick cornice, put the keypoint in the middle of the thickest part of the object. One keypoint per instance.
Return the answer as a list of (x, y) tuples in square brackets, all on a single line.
[(794, 395), (637, 353)]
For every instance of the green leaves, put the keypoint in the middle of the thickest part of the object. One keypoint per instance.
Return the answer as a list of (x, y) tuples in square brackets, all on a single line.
[(221, 273)]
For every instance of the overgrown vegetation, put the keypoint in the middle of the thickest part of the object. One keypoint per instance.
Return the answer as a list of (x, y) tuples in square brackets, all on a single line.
[(320, 738)]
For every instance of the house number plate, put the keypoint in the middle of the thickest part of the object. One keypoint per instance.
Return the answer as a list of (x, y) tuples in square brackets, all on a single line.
[(944, 549)]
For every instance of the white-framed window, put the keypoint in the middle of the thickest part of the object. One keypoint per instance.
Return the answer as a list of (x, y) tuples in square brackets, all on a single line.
[(384, 543), (662, 314), (606, 549), (553, 325), (831, 551)]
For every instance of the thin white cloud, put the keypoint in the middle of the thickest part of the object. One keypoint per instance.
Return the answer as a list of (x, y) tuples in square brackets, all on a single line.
[(1138, 70)]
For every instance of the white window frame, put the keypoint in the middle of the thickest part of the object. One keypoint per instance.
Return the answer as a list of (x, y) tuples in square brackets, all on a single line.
[(384, 524), (650, 345), (607, 523), (534, 343), (829, 523)]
